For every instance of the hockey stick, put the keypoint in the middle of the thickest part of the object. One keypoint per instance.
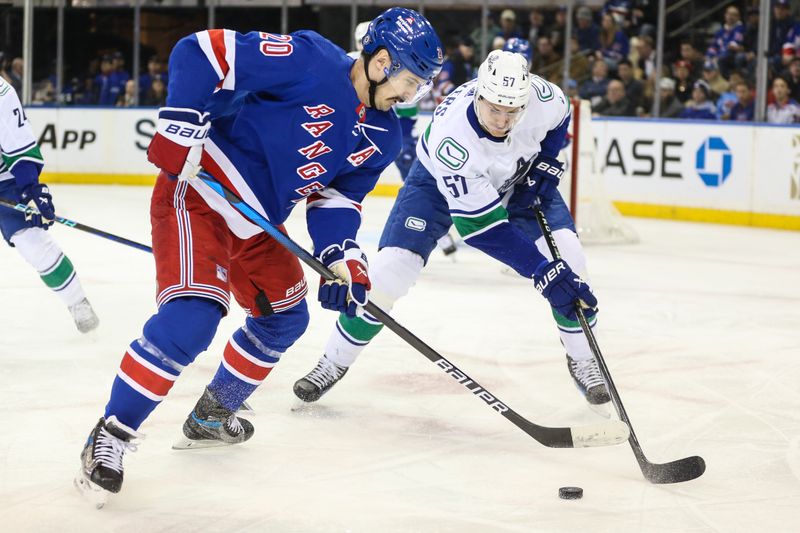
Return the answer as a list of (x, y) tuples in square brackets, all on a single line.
[(77, 225), (605, 434), (684, 469)]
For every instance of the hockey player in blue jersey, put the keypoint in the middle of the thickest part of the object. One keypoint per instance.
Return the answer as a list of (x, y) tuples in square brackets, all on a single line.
[(488, 155), (280, 120), (521, 46)]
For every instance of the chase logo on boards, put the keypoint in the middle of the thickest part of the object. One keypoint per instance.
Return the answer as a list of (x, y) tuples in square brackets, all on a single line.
[(714, 168)]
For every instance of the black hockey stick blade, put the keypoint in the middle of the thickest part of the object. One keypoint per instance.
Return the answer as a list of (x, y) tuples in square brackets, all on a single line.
[(603, 434), (685, 469)]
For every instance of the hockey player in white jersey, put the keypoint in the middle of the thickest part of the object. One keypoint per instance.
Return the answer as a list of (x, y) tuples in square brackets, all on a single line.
[(488, 155), (20, 167)]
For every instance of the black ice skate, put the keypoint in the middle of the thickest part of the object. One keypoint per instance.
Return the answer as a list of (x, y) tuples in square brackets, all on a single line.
[(210, 424), (589, 381), (101, 460), (313, 385), (84, 317)]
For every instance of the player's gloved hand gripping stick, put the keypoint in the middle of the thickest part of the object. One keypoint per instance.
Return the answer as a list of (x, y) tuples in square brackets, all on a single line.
[(684, 469), (602, 434)]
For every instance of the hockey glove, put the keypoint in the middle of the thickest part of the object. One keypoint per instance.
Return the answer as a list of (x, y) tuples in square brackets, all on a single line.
[(177, 145), (542, 181), (350, 292), (37, 195), (563, 288)]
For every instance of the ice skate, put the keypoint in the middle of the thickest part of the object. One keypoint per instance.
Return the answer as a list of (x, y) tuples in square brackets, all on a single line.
[(313, 385), (84, 317), (210, 424), (101, 469), (589, 381)]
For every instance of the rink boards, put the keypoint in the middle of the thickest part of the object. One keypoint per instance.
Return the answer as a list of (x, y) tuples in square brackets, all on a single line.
[(688, 170)]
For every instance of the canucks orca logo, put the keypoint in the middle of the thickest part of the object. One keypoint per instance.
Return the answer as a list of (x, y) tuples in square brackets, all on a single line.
[(523, 167), (714, 169)]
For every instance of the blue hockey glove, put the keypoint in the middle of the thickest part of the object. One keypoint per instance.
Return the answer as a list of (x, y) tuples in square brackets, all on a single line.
[(563, 288), (350, 292), (542, 181), (37, 195)]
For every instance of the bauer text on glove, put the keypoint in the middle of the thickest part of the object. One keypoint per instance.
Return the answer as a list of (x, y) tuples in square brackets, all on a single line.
[(177, 145), (563, 288)]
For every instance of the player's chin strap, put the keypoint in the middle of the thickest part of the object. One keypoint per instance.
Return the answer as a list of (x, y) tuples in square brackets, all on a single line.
[(373, 85)]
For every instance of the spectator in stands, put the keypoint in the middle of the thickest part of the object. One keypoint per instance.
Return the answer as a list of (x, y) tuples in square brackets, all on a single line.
[(744, 109), (14, 74), (508, 25), (684, 82), (728, 99), (699, 106), (537, 29), (110, 83), (587, 31), (714, 79), (671, 107), (128, 97), (572, 89), (783, 31), (620, 10), (690, 54), (155, 70), (634, 89), (545, 58), (596, 87), (558, 29), (156, 96), (727, 48), (614, 103), (783, 110), (792, 77), (647, 57), (492, 29), (579, 64), (457, 68), (614, 45), (497, 43)]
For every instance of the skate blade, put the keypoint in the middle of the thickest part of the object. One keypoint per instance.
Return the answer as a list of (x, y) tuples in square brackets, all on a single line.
[(91, 492), (185, 443), (603, 409), (245, 409)]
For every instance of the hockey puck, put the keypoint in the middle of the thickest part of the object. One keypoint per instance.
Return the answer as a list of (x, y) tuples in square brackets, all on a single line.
[(570, 493)]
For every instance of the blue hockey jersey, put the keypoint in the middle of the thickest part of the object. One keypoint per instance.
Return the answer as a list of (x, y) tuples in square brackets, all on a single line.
[(286, 126)]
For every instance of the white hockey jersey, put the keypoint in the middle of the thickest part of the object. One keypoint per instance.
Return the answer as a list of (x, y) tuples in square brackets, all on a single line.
[(17, 142), (475, 171)]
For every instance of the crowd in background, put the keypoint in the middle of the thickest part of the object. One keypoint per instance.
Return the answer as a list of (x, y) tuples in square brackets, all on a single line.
[(107, 82), (612, 63)]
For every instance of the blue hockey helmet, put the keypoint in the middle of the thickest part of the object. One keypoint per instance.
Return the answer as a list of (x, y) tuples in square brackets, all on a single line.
[(411, 42), (519, 46)]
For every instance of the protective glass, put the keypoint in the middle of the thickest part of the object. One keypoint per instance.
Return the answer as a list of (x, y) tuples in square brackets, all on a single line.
[(408, 86)]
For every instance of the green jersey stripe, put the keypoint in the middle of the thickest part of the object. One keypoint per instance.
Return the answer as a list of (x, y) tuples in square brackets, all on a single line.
[(474, 225), (32, 154)]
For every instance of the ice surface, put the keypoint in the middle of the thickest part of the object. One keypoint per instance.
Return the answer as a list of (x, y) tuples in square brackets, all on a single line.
[(699, 326)]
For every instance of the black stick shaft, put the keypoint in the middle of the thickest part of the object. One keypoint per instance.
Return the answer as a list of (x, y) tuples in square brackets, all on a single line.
[(77, 225)]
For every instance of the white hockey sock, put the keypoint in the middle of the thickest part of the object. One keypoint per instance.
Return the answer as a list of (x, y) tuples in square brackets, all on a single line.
[(40, 250), (393, 271)]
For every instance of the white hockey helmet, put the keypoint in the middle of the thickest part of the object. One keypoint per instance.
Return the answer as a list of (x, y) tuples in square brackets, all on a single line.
[(503, 80)]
